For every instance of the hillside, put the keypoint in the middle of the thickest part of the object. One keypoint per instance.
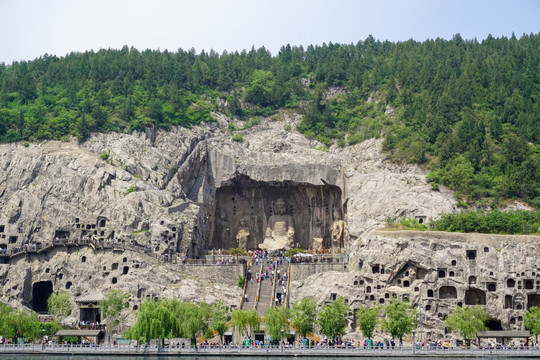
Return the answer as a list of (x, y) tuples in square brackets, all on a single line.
[(466, 111)]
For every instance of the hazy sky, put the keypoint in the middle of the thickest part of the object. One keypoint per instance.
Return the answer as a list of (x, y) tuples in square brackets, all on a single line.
[(30, 28)]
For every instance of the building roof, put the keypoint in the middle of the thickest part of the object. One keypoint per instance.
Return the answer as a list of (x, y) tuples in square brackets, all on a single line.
[(78, 333), (503, 334), (90, 298)]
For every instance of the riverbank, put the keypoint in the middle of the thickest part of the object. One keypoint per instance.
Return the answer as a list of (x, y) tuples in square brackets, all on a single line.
[(129, 352)]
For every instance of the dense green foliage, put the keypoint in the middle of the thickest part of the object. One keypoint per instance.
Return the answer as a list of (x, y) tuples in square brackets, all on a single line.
[(276, 321), (167, 319), (367, 319), (494, 222), (531, 321), (246, 322), (467, 110), (399, 318), (19, 324), (332, 319), (112, 306), (467, 322), (59, 305), (304, 315)]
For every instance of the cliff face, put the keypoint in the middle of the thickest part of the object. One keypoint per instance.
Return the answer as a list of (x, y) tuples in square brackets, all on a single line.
[(186, 191), (436, 271)]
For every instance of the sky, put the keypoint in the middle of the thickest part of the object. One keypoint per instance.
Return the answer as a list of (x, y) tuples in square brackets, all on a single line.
[(31, 28)]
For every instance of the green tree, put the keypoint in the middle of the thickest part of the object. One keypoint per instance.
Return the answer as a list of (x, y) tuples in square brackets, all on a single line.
[(304, 315), (332, 319), (83, 129), (112, 307), (276, 321), (219, 318), (59, 305), (367, 319), (156, 320), (18, 324), (246, 322), (398, 318), (260, 89), (467, 322), (531, 321)]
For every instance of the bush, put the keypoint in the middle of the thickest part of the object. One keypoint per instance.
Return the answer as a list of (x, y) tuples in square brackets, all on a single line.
[(241, 281), (237, 137), (491, 222), (105, 156)]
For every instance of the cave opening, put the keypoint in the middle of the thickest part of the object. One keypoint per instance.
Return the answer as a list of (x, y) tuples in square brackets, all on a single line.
[(493, 325), (475, 296), (447, 292), (41, 291), (533, 300), (249, 204)]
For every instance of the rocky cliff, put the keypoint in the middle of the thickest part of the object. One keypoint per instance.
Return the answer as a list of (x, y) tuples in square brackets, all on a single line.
[(180, 193)]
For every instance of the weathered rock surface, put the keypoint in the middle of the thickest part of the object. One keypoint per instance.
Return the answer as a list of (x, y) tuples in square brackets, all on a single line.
[(185, 191), (436, 271)]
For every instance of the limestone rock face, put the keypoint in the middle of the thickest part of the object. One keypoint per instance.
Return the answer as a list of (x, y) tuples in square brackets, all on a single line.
[(183, 192), (437, 272)]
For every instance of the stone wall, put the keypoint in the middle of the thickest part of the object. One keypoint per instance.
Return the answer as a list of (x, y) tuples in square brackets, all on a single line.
[(223, 274), (300, 272)]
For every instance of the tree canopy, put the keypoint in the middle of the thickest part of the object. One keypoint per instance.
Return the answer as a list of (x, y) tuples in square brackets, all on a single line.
[(332, 319), (276, 321), (304, 315), (112, 306), (467, 322), (399, 318), (367, 319), (59, 305), (531, 321)]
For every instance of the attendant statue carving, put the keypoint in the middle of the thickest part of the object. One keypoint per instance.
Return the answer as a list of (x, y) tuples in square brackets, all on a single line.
[(223, 231), (317, 233), (338, 227), (280, 229), (242, 235)]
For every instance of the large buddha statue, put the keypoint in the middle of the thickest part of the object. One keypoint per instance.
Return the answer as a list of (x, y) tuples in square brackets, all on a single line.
[(280, 229)]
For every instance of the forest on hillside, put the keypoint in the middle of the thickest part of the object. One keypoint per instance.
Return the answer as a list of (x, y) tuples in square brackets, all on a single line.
[(467, 111)]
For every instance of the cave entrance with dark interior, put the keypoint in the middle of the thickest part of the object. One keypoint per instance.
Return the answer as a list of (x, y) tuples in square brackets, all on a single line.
[(313, 209), (533, 300), (41, 291), (475, 297), (493, 325), (61, 234)]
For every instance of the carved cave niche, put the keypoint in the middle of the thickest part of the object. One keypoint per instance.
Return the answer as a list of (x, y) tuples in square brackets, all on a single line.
[(510, 283), (475, 296), (311, 207), (533, 300), (471, 254), (447, 292), (519, 299), (529, 284), (61, 234), (508, 301)]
